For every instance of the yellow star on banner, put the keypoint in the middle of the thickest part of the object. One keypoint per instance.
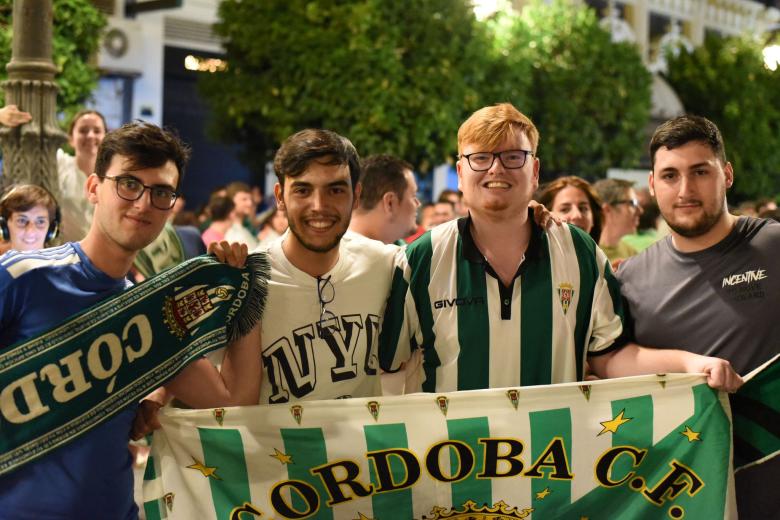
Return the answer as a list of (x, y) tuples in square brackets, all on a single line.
[(690, 434), (205, 470), (613, 425), (541, 495), (363, 517), (282, 457)]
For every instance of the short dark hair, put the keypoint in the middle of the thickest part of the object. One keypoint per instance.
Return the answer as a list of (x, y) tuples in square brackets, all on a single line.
[(612, 191), (24, 197), (236, 187), (444, 195), (382, 174), (219, 207), (324, 146), (685, 129), (145, 145)]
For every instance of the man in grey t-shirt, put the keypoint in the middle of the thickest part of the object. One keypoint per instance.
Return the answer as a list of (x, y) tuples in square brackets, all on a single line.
[(713, 286)]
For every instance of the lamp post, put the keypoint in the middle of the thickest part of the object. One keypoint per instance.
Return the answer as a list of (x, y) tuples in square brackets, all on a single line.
[(29, 151)]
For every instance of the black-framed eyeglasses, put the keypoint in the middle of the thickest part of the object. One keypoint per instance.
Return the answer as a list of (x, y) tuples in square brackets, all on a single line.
[(326, 293), (131, 189), (634, 203), (510, 159)]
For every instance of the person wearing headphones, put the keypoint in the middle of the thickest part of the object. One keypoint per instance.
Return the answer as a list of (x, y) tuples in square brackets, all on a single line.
[(29, 218)]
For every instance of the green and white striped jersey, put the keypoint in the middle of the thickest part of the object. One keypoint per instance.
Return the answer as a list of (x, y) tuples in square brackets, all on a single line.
[(564, 303)]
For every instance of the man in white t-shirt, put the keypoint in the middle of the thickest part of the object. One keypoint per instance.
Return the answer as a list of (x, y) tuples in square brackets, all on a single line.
[(328, 288)]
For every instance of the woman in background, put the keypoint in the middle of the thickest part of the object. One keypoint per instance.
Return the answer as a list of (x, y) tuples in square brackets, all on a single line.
[(29, 218), (575, 201), (85, 133)]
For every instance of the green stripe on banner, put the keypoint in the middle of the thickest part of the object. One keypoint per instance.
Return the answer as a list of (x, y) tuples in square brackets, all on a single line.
[(664, 465), (155, 510), (307, 447), (473, 325), (550, 430), (585, 248), (536, 319), (397, 503), (224, 450), (637, 432), (469, 431), (150, 472)]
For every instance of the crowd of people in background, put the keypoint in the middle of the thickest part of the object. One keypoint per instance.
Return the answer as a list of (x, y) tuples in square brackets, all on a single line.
[(328, 198), (621, 218)]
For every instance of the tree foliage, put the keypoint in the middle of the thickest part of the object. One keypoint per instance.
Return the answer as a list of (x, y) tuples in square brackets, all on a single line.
[(395, 77), (400, 77), (589, 97), (725, 80), (76, 38)]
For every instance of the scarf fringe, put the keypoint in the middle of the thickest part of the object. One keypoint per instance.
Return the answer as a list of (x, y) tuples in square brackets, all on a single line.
[(254, 305)]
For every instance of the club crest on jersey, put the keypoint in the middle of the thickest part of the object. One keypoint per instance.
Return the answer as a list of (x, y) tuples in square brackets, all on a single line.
[(219, 415), (566, 294), (514, 396), (444, 403), (297, 412), (188, 307), (373, 409)]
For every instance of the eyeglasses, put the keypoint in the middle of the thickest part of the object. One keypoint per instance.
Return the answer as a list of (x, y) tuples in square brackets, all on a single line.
[(131, 189), (634, 203), (39, 223), (510, 159), (326, 293)]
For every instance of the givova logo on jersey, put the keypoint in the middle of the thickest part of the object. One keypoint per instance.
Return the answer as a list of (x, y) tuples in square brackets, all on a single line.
[(291, 361), (458, 302)]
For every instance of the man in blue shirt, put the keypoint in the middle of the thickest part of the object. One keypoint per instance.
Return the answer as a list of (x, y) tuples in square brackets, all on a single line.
[(92, 476)]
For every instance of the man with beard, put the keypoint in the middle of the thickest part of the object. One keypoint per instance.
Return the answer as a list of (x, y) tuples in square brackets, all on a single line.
[(712, 287), (388, 204), (328, 288)]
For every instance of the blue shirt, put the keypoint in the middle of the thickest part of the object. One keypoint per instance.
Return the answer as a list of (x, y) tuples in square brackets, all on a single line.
[(91, 477)]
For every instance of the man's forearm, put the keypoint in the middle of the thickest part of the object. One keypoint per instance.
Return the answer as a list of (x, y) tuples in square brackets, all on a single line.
[(201, 385)]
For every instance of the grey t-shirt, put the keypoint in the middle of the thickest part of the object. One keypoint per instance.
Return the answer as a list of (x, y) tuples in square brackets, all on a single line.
[(723, 301)]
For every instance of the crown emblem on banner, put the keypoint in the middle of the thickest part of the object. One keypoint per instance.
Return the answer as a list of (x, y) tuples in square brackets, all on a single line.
[(297, 412), (373, 409), (444, 403), (470, 511)]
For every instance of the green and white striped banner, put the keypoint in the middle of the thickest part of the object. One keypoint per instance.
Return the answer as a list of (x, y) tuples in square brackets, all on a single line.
[(643, 447)]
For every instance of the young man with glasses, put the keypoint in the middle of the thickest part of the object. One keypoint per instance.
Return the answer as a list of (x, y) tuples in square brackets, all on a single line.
[(503, 302), (328, 287), (137, 174), (620, 212)]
